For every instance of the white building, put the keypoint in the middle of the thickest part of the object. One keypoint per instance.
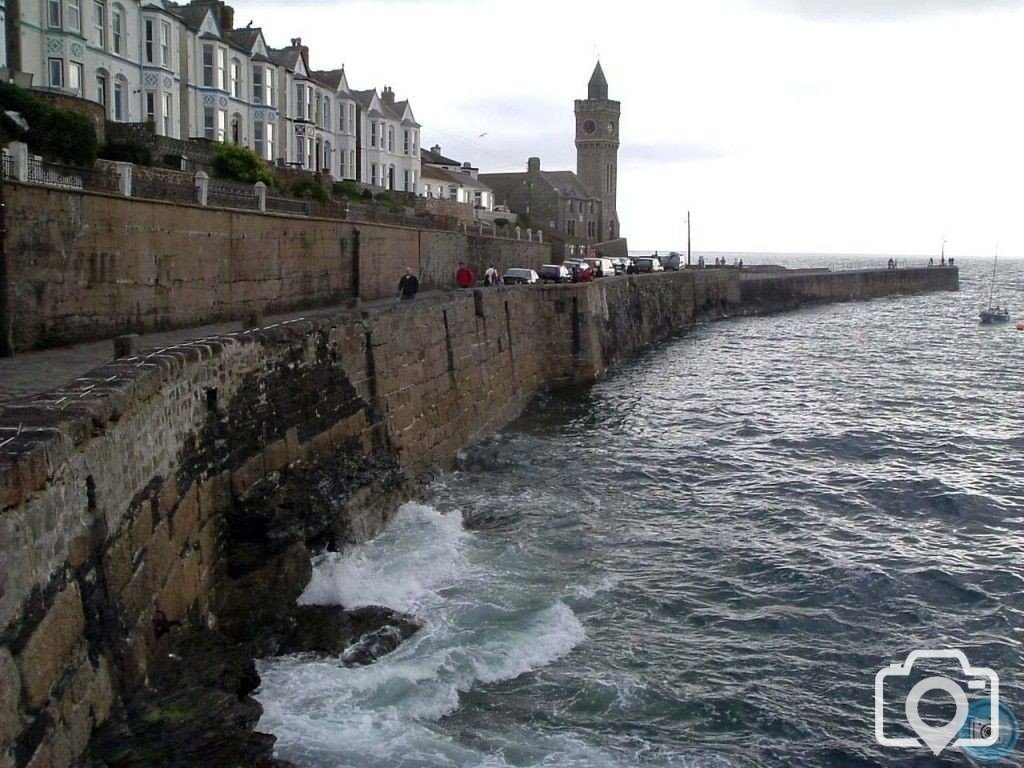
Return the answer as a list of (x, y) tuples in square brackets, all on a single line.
[(447, 179), (189, 71)]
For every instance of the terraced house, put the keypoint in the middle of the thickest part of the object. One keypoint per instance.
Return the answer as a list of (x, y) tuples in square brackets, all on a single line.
[(188, 71)]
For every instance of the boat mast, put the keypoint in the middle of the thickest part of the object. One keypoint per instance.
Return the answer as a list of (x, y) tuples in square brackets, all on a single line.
[(687, 238), (992, 287)]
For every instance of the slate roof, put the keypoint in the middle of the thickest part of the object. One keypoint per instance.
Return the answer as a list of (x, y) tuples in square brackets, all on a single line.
[(451, 177), (564, 183), (330, 77), (597, 88), (435, 158)]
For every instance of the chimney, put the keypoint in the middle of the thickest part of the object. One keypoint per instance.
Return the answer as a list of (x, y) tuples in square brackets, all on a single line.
[(387, 96), (436, 149), (533, 165), (227, 17), (296, 42)]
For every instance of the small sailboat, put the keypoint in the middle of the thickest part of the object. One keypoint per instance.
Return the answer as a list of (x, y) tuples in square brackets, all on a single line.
[(994, 313)]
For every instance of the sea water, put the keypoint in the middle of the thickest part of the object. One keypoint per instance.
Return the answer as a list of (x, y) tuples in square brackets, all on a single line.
[(703, 560)]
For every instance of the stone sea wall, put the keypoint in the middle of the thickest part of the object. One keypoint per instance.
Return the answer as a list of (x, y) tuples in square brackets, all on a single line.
[(84, 266), (128, 497)]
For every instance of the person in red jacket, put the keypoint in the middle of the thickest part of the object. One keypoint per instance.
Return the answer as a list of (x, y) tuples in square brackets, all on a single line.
[(464, 276)]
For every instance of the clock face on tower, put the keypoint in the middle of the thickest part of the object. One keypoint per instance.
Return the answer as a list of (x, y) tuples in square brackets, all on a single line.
[(589, 126)]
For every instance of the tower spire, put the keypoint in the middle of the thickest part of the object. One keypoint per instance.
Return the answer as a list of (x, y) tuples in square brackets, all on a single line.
[(598, 86)]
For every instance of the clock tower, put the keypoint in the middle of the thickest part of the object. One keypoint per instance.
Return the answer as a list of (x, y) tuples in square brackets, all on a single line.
[(597, 149)]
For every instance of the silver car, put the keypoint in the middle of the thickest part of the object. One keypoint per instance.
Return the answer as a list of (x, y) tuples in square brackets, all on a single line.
[(517, 276)]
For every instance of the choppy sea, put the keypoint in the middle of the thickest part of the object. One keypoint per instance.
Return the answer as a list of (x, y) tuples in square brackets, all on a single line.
[(704, 559)]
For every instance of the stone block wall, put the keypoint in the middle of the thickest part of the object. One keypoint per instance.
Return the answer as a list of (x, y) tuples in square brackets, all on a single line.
[(114, 490), (85, 266)]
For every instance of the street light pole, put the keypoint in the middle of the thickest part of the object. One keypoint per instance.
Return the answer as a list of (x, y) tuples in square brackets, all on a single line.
[(687, 238)]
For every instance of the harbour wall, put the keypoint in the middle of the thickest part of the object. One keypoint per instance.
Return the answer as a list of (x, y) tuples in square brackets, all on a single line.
[(118, 491), (85, 266)]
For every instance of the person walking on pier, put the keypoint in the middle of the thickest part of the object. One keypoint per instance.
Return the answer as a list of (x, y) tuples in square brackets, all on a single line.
[(408, 286), (464, 276)]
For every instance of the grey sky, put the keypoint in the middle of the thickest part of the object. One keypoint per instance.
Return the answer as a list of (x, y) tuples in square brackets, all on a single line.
[(792, 125)]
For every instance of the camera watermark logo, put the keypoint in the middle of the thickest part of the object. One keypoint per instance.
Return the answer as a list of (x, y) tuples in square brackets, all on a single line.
[(984, 729)]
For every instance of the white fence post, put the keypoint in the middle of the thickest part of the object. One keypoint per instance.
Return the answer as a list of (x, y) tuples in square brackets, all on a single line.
[(261, 196), (202, 186), (540, 235), (19, 151), (124, 178), (529, 234), (519, 233)]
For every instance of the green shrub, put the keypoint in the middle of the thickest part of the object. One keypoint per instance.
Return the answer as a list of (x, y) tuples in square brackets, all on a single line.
[(127, 151), (238, 163), (56, 134), (311, 187), (348, 189), (367, 195)]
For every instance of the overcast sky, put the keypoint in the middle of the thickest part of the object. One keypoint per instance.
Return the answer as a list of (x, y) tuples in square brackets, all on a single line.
[(831, 126)]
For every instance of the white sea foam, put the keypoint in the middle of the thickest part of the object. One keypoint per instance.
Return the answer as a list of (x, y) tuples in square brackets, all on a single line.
[(479, 629), (417, 554)]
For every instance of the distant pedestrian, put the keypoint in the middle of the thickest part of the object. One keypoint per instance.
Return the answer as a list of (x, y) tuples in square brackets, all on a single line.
[(408, 286), (741, 263), (951, 261), (931, 262), (464, 276), (942, 263), (491, 276), (700, 262)]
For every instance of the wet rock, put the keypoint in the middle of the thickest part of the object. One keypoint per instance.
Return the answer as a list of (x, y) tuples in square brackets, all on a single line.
[(359, 636), (196, 710)]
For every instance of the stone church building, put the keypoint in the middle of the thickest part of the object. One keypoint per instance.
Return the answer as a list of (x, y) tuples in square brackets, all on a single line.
[(578, 209)]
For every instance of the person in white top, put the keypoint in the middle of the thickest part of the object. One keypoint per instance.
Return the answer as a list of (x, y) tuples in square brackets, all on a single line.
[(491, 276)]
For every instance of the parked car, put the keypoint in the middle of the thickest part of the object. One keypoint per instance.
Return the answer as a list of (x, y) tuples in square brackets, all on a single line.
[(580, 270), (555, 273), (673, 261), (517, 276), (648, 264), (620, 265), (602, 267)]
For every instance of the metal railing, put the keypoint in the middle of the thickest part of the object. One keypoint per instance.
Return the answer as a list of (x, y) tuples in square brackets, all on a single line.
[(69, 177), (229, 194), (288, 205), (178, 190)]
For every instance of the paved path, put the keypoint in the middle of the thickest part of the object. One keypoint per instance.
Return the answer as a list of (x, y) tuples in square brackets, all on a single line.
[(30, 373)]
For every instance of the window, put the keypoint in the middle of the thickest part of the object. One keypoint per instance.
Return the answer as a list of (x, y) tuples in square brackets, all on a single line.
[(257, 139), (326, 118), (352, 163), (309, 153), (373, 134), (99, 23), (342, 111), (56, 67), (150, 107), (610, 181), (236, 129), (270, 87), (222, 69), (165, 43), (405, 180), (222, 124), (342, 162), (53, 13), (405, 141), (391, 139), (120, 104), (208, 66), (327, 156), (300, 91), (453, 193), (270, 141), (413, 189), (75, 15), (209, 129), (101, 89), (149, 43), (352, 118), (236, 78), (414, 149), (373, 174), (257, 85), (168, 113), (117, 28), (75, 77)]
